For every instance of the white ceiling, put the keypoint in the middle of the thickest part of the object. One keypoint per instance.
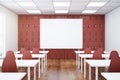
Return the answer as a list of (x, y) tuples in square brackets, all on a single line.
[(46, 6)]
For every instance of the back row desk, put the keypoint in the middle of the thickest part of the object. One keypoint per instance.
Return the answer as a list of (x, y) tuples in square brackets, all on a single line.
[(12, 76), (28, 64)]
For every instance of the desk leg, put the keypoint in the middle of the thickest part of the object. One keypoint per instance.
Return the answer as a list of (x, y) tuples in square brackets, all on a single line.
[(34, 72), (96, 78), (81, 64), (78, 61), (39, 68), (42, 65), (28, 73), (84, 68), (46, 59), (89, 72)]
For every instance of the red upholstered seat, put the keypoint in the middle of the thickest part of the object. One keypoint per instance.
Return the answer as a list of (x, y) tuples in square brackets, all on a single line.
[(35, 51), (114, 65), (113, 54), (87, 51), (97, 55), (27, 55), (100, 50), (9, 64), (22, 50)]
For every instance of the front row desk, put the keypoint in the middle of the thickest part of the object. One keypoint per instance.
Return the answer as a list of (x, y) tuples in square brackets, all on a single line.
[(94, 63), (111, 75), (27, 63), (12, 76)]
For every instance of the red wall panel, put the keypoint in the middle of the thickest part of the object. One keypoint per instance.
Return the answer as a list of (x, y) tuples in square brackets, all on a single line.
[(29, 29)]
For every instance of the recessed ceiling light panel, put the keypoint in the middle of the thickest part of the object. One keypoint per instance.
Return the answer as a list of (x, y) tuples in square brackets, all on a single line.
[(96, 4), (89, 11), (61, 11), (26, 4), (33, 11), (61, 4)]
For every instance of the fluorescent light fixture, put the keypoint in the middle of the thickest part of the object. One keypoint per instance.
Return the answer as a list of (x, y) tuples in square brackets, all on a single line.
[(61, 11), (89, 11), (61, 4), (33, 11), (96, 4), (26, 4)]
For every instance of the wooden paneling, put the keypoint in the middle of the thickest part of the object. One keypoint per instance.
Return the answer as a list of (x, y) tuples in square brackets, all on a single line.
[(29, 29)]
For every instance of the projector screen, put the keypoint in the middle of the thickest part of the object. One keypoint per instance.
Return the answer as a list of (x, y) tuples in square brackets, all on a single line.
[(61, 33)]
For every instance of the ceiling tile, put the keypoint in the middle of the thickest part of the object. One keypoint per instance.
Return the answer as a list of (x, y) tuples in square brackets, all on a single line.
[(46, 6), (112, 4), (61, 0), (114, 0), (100, 0)]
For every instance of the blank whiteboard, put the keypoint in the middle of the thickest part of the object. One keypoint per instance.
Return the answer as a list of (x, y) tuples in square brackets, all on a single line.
[(61, 33)]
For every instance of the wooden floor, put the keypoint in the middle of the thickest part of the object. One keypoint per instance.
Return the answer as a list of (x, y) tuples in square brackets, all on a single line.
[(62, 69)]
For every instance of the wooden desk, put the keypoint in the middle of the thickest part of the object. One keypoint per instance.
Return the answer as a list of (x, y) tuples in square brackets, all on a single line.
[(26, 63), (12, 76), (111, 75), (96, 64)]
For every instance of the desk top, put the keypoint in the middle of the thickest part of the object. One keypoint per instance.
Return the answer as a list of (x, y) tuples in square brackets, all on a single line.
[(111, 75), (78, 52), (98, 63), (90, 55), (45, 52), (24, 63), (33, 55), (12, 76)]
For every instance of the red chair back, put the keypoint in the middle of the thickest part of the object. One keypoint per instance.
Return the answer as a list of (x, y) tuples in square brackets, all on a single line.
[(27, 55), (114, 65), (87, 51), (9, 64), (35, 51), (97, 55), (22, 50), (11, 54), (113, 54), (100, 50)]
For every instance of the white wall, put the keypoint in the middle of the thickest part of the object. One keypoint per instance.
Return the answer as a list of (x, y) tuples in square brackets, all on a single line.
[(11, 33), (112, 30)]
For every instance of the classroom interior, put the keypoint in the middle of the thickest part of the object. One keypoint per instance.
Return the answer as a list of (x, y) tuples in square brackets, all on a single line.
[(21, 27)]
